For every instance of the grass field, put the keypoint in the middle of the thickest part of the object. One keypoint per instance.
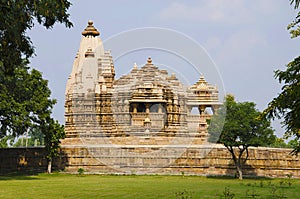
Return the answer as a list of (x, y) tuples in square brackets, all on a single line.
[(109, 186)]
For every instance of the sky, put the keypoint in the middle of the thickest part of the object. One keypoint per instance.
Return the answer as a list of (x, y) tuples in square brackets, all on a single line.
[(246, 40)]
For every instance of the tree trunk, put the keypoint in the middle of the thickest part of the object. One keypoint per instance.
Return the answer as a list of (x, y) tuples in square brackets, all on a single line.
[(239, 171), (49, 166), (237, 161)]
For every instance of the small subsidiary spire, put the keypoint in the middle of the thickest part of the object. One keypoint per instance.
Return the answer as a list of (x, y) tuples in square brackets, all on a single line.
[(90, 30)]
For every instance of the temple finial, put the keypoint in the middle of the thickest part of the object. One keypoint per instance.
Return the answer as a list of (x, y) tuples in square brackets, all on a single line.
[(90, 30)]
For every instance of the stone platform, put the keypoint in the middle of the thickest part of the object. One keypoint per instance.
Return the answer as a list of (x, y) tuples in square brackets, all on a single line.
[(195, 160), (175, 160)]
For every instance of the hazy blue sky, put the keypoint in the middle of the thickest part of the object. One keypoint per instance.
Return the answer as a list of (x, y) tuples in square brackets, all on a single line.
[(247, 40)]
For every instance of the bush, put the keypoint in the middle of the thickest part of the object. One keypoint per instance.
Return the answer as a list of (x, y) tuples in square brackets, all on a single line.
[(80, 171)]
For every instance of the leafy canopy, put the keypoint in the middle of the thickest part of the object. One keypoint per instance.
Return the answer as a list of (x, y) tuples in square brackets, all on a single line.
[(243, 125), (24, 101), (287, 104), (18, 16), (24, 95)]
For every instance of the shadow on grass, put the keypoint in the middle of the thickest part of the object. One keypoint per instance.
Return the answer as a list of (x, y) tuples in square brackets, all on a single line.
[(233, 177), (20, 176), (220, 177)]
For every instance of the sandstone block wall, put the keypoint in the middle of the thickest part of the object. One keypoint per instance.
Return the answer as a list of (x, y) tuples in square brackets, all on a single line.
[(270, 162), (26, 161)]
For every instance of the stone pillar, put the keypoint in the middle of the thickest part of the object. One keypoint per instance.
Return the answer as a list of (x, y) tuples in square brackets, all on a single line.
[(170, 117), (134, 108), (159, 108), (147, 108), (175, 113)]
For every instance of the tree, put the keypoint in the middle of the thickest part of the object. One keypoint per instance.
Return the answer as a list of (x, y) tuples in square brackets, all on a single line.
[(20, 15), (24, 101), (279, 143), (24, 95), (243, 127), (4, 142), (292, 143), (287, 104), (34, 137), (53, 132)]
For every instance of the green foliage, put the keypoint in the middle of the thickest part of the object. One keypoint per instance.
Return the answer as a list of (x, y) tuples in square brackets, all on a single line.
[(53, 132), (227, 194), (35, 137), (80, 171), (279, 143), (183, 194), (293, 143), (275, 190), (24, 95), (289, 180), (20, 16), (6, 141), (182, 173), (244, 127), (25, 102), (251, 194), (22, 142), (31, 142), (37, 134), (296, 2), (277, 193), (287, 103), (216, 124), (294, 27)]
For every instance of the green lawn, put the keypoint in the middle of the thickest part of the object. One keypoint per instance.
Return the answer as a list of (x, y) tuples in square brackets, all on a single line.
[(106, 186)]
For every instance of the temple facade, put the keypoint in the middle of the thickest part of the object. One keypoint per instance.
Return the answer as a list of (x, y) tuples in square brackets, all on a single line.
[(146, 102), (142, 121)]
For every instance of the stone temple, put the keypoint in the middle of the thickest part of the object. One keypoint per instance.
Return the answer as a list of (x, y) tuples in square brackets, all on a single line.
[(142, 120)]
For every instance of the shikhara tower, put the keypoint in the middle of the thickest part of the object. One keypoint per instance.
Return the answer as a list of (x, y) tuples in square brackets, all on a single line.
[(147, 107), (91, 78)]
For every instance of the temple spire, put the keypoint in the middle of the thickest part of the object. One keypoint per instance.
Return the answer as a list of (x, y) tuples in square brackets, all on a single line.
[(90, 30)]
